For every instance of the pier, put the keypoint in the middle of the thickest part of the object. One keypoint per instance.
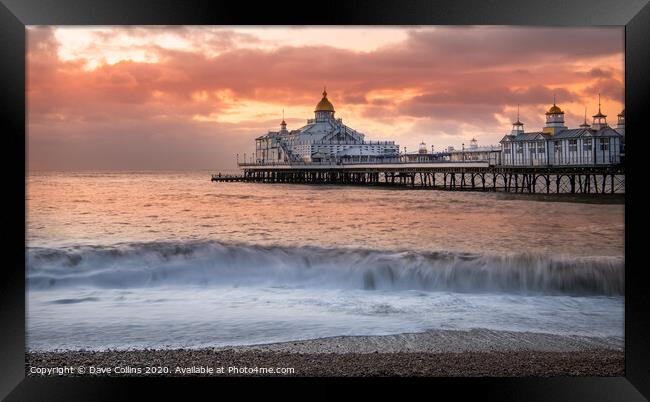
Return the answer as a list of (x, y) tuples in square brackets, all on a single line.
[(452, 176)]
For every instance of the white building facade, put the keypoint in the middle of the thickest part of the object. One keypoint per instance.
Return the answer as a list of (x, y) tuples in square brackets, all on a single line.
[(474, 152), (423, 155), (323, 139), (557, 145)]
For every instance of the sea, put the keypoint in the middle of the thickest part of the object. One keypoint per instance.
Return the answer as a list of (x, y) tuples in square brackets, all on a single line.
[(135, 260)]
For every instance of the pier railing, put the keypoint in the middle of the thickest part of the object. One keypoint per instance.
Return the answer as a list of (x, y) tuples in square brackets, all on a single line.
[(347, 163), (339, 142)]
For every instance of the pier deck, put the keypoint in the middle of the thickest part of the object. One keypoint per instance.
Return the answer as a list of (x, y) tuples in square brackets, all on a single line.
[(455, 176)]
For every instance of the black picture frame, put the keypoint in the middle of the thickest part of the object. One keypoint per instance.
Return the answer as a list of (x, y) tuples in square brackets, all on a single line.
[(16, 14)]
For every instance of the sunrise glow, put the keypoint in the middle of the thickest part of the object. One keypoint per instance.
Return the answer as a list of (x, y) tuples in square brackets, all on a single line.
[(132, 97)]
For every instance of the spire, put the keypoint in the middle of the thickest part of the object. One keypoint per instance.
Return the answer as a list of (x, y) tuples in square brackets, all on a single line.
[(517, 126), (324, 92), (553, 99), (599, 114), (585, 124), (600, 119), (283, 125), (517, 112), (518, 122)]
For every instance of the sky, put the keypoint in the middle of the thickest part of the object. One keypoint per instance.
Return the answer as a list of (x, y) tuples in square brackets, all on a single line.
[(186, 98)]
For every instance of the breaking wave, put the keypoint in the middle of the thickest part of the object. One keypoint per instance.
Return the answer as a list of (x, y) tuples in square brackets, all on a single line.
[(215, 264)]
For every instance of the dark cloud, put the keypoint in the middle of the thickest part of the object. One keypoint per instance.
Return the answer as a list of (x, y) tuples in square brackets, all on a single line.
[(608, 88), (498, 96), (489, 46), (600, 73)]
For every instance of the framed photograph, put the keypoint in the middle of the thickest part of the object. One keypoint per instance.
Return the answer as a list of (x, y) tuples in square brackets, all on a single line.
[(440, 190)]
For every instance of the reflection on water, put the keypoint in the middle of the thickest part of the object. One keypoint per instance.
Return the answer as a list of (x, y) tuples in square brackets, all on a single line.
[(154, 260), (109, 208)]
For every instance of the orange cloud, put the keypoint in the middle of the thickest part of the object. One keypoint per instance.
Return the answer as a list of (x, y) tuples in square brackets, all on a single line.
[(144, 98)]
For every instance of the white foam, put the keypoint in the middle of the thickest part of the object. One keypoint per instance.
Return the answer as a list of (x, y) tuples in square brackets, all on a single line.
[(210, 264)]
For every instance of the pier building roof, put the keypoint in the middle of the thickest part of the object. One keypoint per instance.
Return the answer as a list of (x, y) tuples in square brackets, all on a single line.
[(530, 136), (323, 128), (564, 134)]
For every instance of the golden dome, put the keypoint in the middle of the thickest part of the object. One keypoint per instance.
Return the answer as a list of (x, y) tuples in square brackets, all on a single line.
[(554, 109), (324, 105)]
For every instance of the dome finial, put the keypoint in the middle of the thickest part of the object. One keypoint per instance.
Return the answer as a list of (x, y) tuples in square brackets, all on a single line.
[(324, 104), (555, 109)]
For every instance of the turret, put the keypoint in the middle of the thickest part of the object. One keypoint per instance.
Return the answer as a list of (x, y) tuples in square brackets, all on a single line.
[(620, 125), (283, 125), (600, 119), (554, 120), (517, 126), (324, 110)]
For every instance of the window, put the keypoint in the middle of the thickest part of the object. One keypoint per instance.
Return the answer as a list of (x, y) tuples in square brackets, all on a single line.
[(604, 144), (586, 144), (573, 145), (520, 148), (541, 148), (558, 146), (531, 147)]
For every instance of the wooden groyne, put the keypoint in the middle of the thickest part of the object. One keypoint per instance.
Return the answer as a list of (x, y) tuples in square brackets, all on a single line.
[(605, 179)]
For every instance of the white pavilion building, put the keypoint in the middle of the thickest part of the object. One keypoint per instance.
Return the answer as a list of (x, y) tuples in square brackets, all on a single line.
[(556, 144), (323, 139)]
